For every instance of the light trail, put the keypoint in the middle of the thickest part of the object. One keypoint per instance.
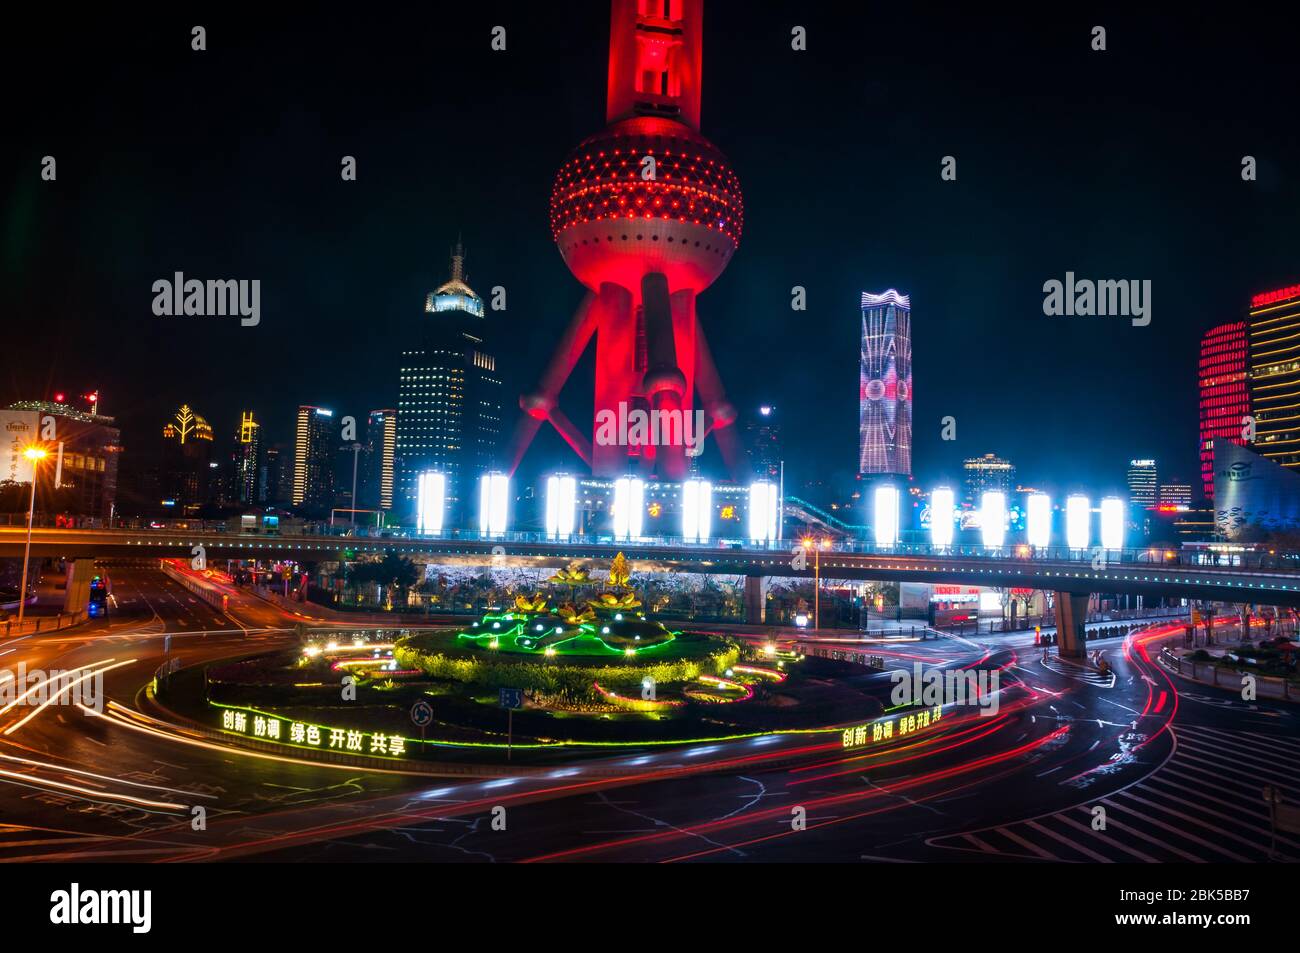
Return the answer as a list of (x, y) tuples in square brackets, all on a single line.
[(63, 690), (829, 801)]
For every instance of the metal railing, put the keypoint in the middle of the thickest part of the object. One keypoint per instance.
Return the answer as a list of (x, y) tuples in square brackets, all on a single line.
[(34, 624), (1148, 557)]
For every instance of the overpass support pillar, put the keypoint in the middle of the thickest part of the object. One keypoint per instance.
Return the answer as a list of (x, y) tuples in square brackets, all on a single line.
[(1071, 615), (77, 594), (754, 603)]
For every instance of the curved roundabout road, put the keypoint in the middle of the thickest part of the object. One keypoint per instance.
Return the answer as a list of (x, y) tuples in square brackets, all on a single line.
[(1139, 766)]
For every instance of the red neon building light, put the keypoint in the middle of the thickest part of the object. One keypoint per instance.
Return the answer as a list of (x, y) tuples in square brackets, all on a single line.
[(1224, 398), (1273, 297), (646, 214)]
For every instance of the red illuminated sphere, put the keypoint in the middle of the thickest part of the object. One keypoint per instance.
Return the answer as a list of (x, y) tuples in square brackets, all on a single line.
[(613, 225)]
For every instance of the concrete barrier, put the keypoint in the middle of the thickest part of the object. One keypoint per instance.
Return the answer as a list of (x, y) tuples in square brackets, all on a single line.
[(1210, 673), (205, 591)]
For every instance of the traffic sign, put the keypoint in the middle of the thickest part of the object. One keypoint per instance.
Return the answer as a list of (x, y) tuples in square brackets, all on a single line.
[(421, 714), (512, 698)]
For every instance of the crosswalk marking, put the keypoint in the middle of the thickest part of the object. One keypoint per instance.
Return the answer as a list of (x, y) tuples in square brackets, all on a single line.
[(1186, 835), (1202, 805), (1028, 845), (1264, 746), (1196, 753), (1183, 767), (1069, 843), (1238, 818), (1283, 741), (1147, 858), (982, 845), (1217, 831), (1237, 756), (1120, 825)]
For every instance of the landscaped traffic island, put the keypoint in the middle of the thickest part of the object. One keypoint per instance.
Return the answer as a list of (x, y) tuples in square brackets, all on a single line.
[(576, 674)]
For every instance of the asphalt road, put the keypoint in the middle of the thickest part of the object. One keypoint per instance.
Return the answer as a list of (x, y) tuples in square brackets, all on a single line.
[(1138, 767)]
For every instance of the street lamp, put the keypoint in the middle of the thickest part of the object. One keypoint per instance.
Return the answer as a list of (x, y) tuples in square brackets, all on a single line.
[(35, 455), (817, 576)]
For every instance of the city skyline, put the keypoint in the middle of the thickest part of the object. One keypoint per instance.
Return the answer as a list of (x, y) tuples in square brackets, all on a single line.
[(431, 436), (982, 324)]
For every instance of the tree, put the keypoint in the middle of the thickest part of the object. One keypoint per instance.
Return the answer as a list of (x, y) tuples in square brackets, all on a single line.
[(398, 571)]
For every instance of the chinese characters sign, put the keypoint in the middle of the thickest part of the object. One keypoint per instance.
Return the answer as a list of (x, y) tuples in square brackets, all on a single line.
[(304, 735), (886, 729)]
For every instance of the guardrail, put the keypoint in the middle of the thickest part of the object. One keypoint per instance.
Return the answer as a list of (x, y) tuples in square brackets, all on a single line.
[(32, 625), (212, 596), (1150, 557), (1214, 673)]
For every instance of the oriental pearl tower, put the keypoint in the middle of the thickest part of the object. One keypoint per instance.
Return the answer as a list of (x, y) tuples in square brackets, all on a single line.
[(646, 214)]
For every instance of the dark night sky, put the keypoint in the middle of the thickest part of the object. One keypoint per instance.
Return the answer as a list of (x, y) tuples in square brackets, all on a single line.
[(225, 164)]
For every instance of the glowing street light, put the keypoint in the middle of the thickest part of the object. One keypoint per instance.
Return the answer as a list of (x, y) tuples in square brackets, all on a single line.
[(431, 497), (1078, 514), (942, 504), (1039, 520), (629, 507), (1112, 523), (494, 490), (697, 510), (816, 546), (764, 497), (885, 516), (993, 518), (561, 505), (35, 454)]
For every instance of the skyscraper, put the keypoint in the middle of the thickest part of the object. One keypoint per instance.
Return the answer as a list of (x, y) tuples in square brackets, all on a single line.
[(449, 397), (314, 452), (885, 385), (763, 442), (1142, 483), (186, 476), (247, 458), (989, 472), (275, 478), (1175, 494), (381, 450), (84, 454), (1224, 397), (1274, 354)]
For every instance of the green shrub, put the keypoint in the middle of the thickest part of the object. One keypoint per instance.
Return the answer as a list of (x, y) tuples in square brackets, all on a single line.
[(555, 676)]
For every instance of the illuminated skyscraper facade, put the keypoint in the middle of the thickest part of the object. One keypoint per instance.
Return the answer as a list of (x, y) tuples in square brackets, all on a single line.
[(1142, 483), (185, 476), (314, 452), (988, 473), (449, 397), (763, 443), (1274, 355), (885, 385), (86, 468), (1224, 395), (247, 458), (381, 452)]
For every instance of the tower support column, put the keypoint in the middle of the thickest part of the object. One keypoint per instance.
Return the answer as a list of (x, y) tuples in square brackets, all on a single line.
[(755, 607), (76, 594), (1071, 615)]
